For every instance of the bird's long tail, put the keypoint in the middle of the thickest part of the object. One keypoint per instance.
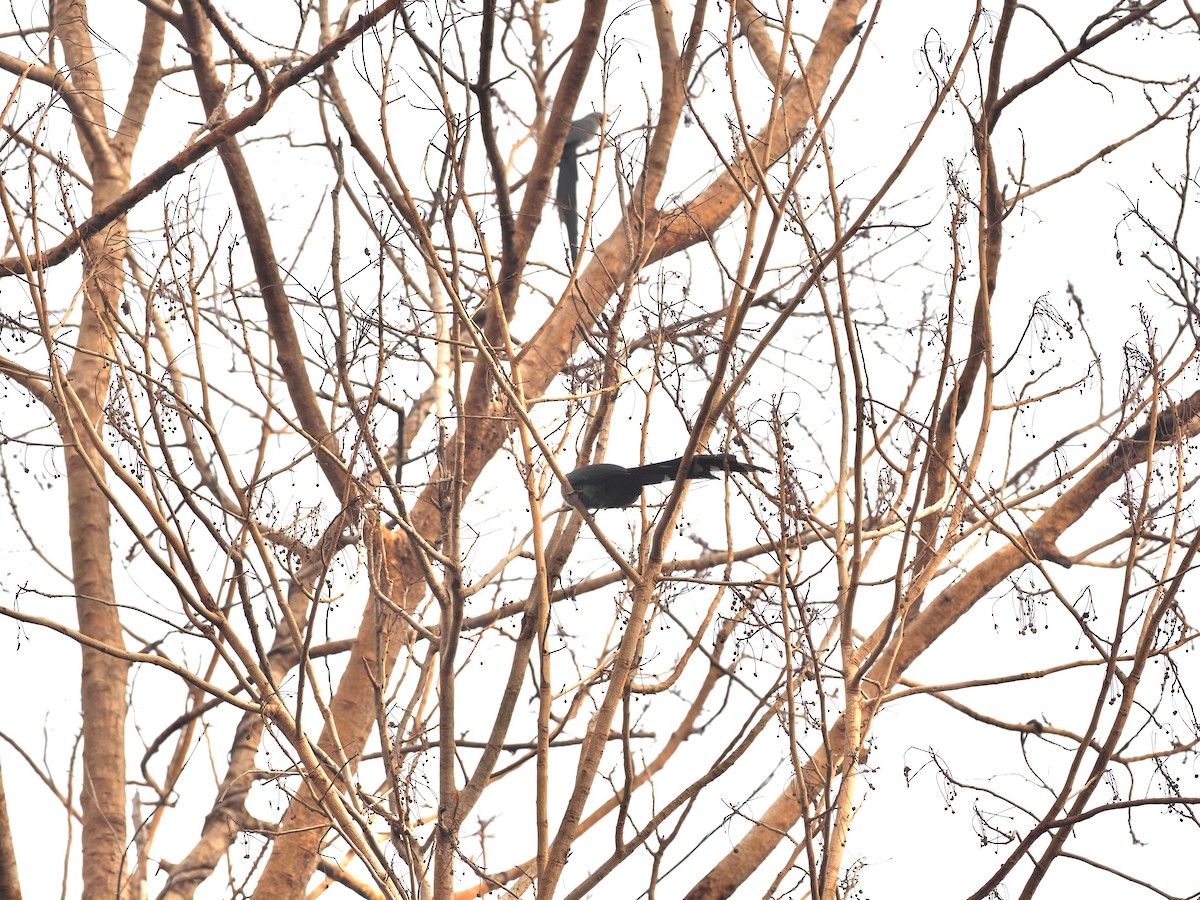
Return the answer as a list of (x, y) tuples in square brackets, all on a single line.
[(704, 465), (568, 204)]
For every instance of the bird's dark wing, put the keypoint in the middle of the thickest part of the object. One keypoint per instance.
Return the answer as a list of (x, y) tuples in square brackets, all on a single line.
[(603, 486)]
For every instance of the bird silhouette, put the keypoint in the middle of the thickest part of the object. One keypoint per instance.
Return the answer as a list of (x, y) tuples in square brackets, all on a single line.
[(609, 486), (582, 131)]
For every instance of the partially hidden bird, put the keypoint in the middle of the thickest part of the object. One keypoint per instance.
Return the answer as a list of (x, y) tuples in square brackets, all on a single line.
[(582, 130), (609, 486)]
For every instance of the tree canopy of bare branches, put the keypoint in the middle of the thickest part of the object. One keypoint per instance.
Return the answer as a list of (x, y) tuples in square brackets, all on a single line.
[(296, 355)]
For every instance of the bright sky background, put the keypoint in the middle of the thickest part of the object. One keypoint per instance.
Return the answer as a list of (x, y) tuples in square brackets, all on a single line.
[(1071, 233)]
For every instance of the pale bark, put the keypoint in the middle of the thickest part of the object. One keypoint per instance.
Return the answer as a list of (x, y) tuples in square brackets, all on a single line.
[(82, 395), (10, 881)]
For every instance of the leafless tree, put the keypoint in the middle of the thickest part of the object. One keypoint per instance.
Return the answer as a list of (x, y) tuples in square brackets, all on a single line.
[(314, 362)]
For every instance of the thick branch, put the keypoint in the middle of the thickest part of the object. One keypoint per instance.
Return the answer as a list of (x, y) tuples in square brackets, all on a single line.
[(907, 646)]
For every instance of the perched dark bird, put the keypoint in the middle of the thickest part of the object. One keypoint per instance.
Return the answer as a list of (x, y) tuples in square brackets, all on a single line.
[(582, 131), (608, 486)]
